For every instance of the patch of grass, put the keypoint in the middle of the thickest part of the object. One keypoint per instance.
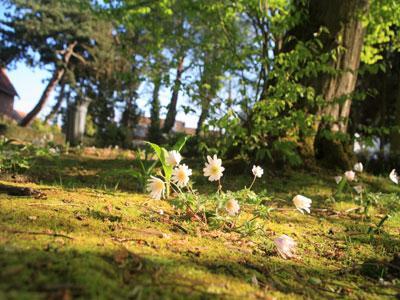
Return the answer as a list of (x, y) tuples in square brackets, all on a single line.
[(94, 237)]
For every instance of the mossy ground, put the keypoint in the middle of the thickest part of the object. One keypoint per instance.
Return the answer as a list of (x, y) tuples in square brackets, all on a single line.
[(95, 237)]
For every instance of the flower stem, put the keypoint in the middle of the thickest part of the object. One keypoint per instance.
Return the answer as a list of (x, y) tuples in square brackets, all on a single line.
[(219, 190), (251, 185)]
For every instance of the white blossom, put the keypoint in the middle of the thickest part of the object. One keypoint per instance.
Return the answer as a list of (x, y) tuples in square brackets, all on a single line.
[(359, 189), (156, 188), (338, 179), (350, 175), (285, 246), (232, 207), (394, 177), (358, 167), (257, 171), (213, 168), (174, 158), (180, 175), (302, 203)]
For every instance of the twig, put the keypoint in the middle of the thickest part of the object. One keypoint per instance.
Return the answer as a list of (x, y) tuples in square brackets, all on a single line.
[(352, 209), (51, 204), (37, 233)]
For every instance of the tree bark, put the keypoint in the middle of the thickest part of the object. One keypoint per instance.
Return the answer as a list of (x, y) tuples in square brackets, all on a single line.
[(208, 88), (56, 106), (343, 19), (395, 135), (344, 22), (172, 107), (343, 84), (154, 130), (58, 74)]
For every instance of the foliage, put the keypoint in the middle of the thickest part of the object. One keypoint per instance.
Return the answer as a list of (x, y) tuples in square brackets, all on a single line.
[(145, 169), (250, 71), (162, 155), (16, 158)]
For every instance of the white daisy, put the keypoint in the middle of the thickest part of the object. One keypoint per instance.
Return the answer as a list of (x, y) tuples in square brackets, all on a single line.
[(350, 175), (338, 179), (359, 189), (302, 203), (213, 169), (394, 177), (156, 188), (285, 246), (180, 175), (232, 207), (257, 171), (174, 158), (358, 167)]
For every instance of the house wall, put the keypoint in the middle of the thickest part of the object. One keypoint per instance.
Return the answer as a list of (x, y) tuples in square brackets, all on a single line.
[(6, 104)]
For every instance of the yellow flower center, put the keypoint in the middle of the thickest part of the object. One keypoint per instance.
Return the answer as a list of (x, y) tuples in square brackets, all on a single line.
[(159, 185), (181, 175), (215, 169)]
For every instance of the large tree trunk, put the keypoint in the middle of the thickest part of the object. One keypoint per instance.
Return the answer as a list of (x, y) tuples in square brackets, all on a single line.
[(172, 107), (154, 130), (208, 88), (395, 135), (343, 19), (337, 90), (57, 105), (350, 36), (58, 74)]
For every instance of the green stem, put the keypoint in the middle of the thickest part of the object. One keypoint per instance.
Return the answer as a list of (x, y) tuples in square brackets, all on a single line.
[(219, 190), (251, 185)]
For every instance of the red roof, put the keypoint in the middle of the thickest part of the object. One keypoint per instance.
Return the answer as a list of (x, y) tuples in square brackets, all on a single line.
[(6, 85)]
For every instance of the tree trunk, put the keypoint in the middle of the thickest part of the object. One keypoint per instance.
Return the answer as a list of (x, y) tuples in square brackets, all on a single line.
[(56, 106), (351, 37), (208, 88), (395, 135), (202, 118), (172, 107), (343, 19), (58, 74), (337, 89), (154, 130)]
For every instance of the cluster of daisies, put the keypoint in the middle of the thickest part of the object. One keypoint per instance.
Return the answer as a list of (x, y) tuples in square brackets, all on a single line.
[(214, 170), (350, 176)]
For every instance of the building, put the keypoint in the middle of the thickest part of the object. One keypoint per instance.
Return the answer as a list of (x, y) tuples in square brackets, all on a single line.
[(7, 95), (142, 128)]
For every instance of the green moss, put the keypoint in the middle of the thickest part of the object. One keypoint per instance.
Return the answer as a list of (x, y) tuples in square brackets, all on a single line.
[(113, 244)]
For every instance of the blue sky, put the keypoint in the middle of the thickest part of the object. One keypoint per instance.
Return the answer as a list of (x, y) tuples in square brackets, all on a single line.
[(30, 83)]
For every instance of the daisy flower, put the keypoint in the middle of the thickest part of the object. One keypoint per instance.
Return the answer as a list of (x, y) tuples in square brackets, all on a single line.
[(302, 203), (180, 175), (213, 168), (232, 207), (257, 171), (174, 158), (285, 246), (156, 188), (394, 177)]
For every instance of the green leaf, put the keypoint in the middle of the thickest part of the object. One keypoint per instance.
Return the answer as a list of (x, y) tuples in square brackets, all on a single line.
[(341, 186), (180, 143), (161, 154)]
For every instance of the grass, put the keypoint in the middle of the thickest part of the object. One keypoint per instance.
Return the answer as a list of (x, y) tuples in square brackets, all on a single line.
[(95, 237)]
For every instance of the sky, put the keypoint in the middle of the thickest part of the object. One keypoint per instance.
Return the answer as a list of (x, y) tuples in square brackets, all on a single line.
[(30, 83)]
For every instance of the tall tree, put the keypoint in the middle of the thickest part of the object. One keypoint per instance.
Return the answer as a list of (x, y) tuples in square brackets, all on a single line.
[(172, 106), (339, 26), (155, 126), (47, 33)]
